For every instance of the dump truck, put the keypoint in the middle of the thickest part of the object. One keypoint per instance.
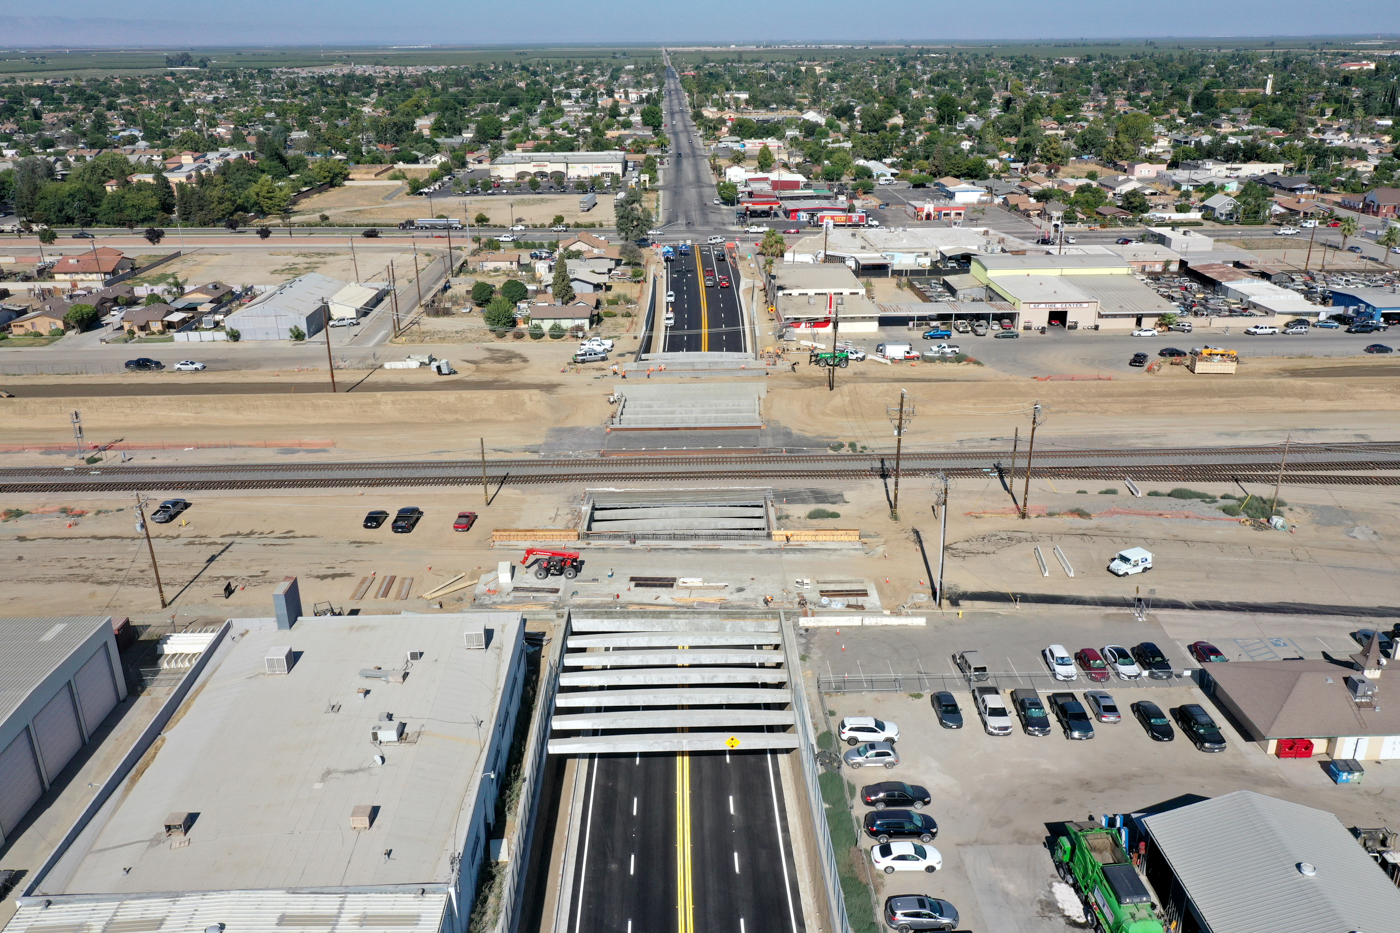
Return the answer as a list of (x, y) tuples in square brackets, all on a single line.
[(1090, 857)]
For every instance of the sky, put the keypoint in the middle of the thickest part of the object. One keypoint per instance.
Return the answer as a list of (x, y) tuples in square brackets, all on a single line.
[(88, 23)]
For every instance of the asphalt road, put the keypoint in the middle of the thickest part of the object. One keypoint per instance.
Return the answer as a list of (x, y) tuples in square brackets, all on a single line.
[(708, 320), (683, 844), (688, 186)]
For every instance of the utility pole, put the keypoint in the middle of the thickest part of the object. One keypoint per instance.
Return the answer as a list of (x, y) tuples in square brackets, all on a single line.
[(141, 511), (1283, 461), (941, 500), (77, 420), (1037, 419), (1311, 236), (485, 495), (354, 260), (1011, 480), (835, 310), (326, 326), (394, 297), (417, 276), (900, 417)]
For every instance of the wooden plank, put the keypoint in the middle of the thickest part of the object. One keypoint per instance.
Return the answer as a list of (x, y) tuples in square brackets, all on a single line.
[(385, 587), (405, 585), (362, 588), (444, 587)]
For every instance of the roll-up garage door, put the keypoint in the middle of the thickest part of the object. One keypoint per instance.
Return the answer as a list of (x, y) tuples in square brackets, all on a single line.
[(19, 782), (56, 728), (97, 692)]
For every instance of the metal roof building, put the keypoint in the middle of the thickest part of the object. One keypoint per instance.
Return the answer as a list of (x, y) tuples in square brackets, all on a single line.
[(344, 771), (1247, 863), (303, 302), (59, 679)]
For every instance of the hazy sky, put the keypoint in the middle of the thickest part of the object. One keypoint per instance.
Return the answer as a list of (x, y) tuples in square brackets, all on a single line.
[(453, 22)]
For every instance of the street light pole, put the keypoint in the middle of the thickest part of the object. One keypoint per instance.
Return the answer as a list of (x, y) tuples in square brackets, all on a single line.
[(146, 528)]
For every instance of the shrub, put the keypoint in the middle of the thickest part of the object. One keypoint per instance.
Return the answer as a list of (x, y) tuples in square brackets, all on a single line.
[(1156, 492), (837, 446), (536, 331), (296, 333), (609, 314), (233, 334), (556, 331), (482, 293), (1081, 492), (1181, 492), (1079, 513), (823, 513), (1108, 492)]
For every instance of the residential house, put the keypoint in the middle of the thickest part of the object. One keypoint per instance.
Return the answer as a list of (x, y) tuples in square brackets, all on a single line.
[(1119, 185), (96, 265), (586, 243), (1221, 207), (1144, 170), (585, 281), (49, 317), (212, 293), (150, 319), (504, 261), (1297, 208), (1378, 202), (1296, 185), (579, 314)]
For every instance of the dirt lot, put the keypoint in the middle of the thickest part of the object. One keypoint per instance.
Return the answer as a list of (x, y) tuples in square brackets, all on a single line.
[(274, 266), (379, 205)]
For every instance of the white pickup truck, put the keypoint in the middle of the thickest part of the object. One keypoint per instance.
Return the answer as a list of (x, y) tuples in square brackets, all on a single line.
[(597, 343)]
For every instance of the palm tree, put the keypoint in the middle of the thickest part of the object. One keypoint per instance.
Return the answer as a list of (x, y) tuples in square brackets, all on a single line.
[(1389, 239), (1347, 229)]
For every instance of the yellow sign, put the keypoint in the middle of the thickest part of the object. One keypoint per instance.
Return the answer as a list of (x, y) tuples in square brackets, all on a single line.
[(732, 741)]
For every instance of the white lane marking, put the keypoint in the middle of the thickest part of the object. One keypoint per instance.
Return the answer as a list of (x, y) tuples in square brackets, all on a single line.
[(736, 863), (731, 804), (634, 806), (741, 925), (587, 836), (782, 855), (632, 864), (639, 759)]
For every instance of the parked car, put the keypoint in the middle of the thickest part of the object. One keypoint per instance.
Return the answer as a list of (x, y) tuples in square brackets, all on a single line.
[(169, 510), (962, 327), (856, 729), (406, 520), (1093, 665), (908, 913), (1363, 638), (1030, 711), (995, 719), (1205, 652), (464, 522), (979, 329), (1057, 659), (1073, 719), (144, 364), (971, 665), (597, 343), (1181, 327), (1150, 658), (1259, 330), (1121, 662), (1327, 325), (1197, 725), (375, 518), (945, 706), (937, 333), (884, 825), (1103, 706), (872, 753), (1138, 359), (1294, 330), (189, 366), (345, 322), (853, 353), (1153, 720), (1145, 332), (1007, 333), (905, 856), (1378, 348), (1365, 327), (895, 794)]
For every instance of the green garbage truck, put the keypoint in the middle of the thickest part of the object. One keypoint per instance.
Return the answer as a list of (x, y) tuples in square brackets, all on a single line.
[(1090, 857)]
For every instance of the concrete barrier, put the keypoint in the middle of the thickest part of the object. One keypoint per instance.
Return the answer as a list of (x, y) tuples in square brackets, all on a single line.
[(829, 621), (817, 534)]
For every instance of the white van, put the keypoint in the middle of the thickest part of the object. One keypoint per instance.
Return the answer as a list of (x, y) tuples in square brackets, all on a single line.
[(897, 351), (886, 181), (1133, 560)]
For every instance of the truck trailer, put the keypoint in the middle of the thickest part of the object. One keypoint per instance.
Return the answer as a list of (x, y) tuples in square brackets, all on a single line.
[(1090, 857), (588, 202)]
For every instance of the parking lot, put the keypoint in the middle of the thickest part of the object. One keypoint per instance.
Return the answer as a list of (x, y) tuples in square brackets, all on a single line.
[(993, 796)]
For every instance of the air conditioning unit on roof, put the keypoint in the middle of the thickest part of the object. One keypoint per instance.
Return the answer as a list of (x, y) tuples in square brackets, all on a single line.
[(278, 660)]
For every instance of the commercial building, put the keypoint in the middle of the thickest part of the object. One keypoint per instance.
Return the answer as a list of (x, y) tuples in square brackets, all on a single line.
[(354, 300), (878, 252), (1071, 291), (809, 297), (570, 164), (1181, 241), (303, 303), (338, 775), (1248, 863), (1383, 303), (60, 677)]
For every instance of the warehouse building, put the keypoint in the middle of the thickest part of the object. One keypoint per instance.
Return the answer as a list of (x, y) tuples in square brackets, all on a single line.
[(1248, 863), (902, 251), (338, 775), (304, 302), (60, 678), (1072, 291), (354, 301), (1370, 303), (512, 165)]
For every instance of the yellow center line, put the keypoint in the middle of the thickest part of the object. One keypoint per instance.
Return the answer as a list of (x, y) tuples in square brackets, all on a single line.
[(685, 908), (704, 306)]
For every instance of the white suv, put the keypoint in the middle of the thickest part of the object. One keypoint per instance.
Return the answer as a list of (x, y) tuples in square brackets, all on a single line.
[(715, 241), (857, 729)]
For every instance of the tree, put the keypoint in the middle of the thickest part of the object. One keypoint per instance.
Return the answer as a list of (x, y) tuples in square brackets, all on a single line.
[(264, 233), (80, 317), (1052, 151), (765, 158), (47, 236), (563, 290), (488, 127), (1348, 229), (632, 219), (558, 220), (556, 331), (482, 293), (651, 116), (481, 220), (231, 224), (296, 333), (534, 183), (729, 192), (154, 235), (536, 331), (947, 108), (513, 291), (736, 157), (1390, 239), (773, 245), (500, 314), (1167, 319), (1135, 202), (1043, 195)]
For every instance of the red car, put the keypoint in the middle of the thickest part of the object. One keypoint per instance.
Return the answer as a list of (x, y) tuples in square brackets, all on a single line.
[(464, 522), (1205, 652), (1335, 223), (1092, 663), (723, 282), (792, 230)]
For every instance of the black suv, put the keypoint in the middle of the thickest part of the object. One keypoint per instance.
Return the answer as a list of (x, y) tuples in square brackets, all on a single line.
[(909, 912), (144, 364), (1152, 661), (376, 518), (884, 825), (1030, 711), (1073, 719), (1199, 727), (895, 794), (407, 518)]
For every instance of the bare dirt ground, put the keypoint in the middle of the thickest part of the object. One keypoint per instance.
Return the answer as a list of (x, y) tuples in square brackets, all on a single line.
[(274, 266), (376, 205)]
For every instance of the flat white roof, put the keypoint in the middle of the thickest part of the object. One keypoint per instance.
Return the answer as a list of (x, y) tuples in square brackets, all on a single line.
[(272, 765), (34, 648)]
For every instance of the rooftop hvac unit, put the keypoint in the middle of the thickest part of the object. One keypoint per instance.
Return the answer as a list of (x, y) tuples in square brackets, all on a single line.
[(178, 824), (361, 817), (388, 733), (415, 655), (476, 636), (1362, 688), (278, 660)]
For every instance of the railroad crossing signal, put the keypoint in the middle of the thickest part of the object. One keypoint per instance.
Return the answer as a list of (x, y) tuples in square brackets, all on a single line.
[(732, 741)]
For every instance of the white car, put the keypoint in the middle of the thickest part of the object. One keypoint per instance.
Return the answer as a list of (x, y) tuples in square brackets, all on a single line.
[(995, 719), (854, 354), (670, 298), (716, 200), (1395, 249), (188, 366), (1297, 329), (757, 229), (656, 232), (1121, 661), (905, 856), (597, 343), (715, 241), (670, 318), (1286, 231), (1257, 329), (1060, 663), (518, 227), (506, 238), (857, 729), (943, 349), (1145, 332)]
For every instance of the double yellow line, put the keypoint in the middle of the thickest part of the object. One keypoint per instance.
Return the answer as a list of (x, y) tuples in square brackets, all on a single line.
[(685, 893), (704, 313)]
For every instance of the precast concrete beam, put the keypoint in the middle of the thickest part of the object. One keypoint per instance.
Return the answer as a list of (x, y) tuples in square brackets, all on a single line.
[(671, 744), (672, 639), (644, 658), (691, 696), (674, 676), (676, 719), (671, 622)]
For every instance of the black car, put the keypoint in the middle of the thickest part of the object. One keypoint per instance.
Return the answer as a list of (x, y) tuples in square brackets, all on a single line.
[(1139, 359), (370, 234), (83, 235), (1171, 352), (406, 519), (895, 794), (1153, 720), (884, 825), (1152, 661), (1074, 720), (1030, 711), (1378, 348), (169, 510), (1199, 727), (1365, 327), (909, 912), (376, 518), (144, 364), (945, 705)]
